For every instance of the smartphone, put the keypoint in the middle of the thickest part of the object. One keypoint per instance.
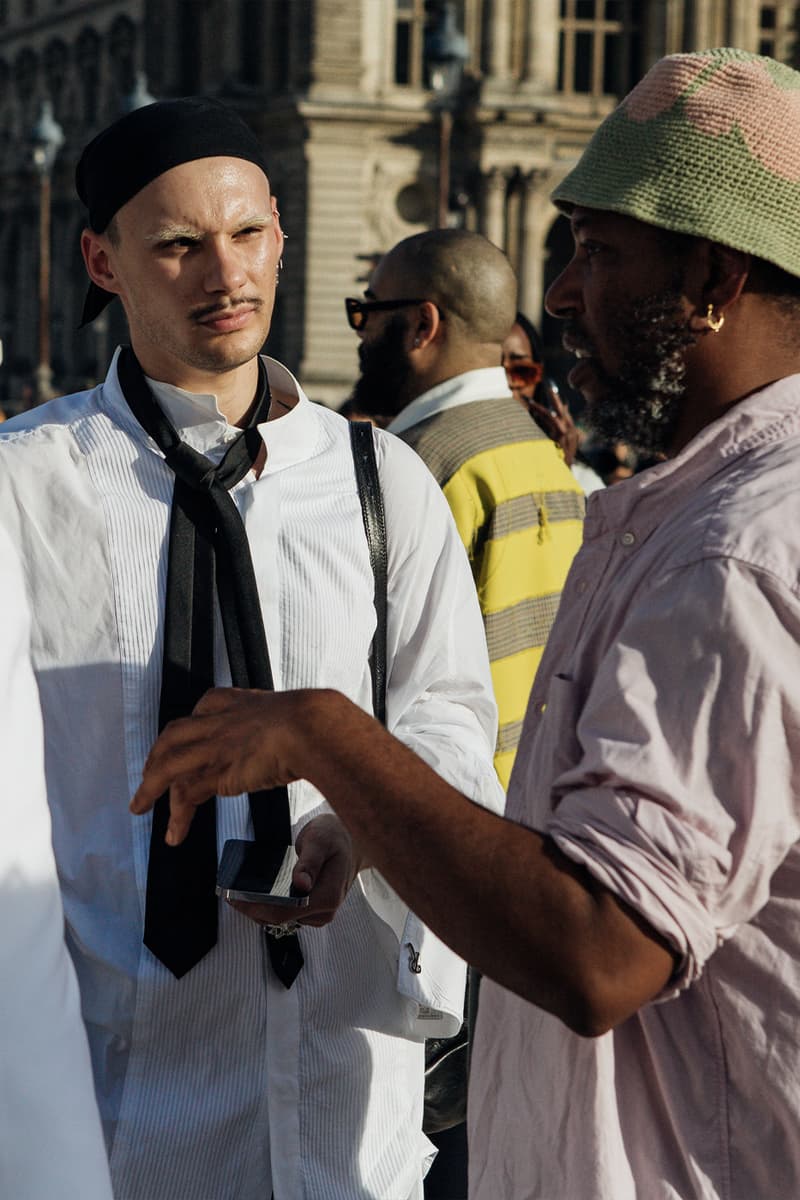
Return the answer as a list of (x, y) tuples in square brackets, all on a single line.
[(248, 871), (549, 393)]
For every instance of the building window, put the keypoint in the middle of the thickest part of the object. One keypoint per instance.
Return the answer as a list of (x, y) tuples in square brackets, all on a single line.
[(409, 32), (122, 52), (87, 60), (411, 19), (26, 68), (268, 44), (598, 47), (56, 64), (190, 41), (779, 31), (252, 41)]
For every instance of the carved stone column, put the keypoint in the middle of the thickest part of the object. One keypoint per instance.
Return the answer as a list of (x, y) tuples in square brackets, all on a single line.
[(494, 194), (531, 266), (704, 28), (541, 67), (500, 40)]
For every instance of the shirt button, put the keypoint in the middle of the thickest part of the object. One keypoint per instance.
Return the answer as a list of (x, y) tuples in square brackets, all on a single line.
[(582, 586), (628, 538), (541, 706)]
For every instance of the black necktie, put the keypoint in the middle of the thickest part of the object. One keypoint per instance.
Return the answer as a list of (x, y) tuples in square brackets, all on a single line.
[(208, 553)]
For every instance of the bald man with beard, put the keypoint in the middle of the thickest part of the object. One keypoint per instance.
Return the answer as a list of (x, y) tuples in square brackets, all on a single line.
[(432, 323)]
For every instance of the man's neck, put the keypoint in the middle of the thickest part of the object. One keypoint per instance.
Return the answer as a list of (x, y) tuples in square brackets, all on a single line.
[(752, 357), (234, 390), (425, 381)]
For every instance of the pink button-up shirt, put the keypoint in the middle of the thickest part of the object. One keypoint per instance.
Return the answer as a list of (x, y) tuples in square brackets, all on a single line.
[(661, 749)]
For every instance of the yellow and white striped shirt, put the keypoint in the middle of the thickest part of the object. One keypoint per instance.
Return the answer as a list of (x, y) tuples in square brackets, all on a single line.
[(519, 513)]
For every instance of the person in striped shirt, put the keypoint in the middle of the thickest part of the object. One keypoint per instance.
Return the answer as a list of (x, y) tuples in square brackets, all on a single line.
[(432, 323)]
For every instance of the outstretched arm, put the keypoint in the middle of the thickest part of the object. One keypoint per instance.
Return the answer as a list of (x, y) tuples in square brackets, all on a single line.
[(501, 895)]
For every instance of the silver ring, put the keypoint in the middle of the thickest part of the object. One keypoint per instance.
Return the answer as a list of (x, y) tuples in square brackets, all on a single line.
[(279, 931)]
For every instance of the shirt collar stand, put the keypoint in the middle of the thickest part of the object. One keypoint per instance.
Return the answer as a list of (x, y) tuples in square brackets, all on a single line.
[(485, 383)]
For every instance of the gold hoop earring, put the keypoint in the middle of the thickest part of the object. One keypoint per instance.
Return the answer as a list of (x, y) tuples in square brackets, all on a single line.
[(714, 323)]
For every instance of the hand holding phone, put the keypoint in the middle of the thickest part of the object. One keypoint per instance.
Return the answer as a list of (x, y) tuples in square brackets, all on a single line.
[(248, 872)]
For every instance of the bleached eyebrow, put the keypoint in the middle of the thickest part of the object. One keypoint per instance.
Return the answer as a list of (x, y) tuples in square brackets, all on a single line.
[(171, 233)]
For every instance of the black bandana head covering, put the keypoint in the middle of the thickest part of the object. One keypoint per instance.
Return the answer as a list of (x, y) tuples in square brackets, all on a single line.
[(145, 143)]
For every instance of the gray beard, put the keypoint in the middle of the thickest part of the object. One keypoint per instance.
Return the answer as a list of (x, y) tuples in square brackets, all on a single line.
[(642, 404)]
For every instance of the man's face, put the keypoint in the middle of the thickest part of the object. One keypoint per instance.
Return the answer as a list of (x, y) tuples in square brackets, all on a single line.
[(622, 300), (386, 384), (194, 261), (383, 386)]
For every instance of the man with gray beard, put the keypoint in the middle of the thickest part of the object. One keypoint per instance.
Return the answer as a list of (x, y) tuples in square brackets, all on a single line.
[(638, 908)]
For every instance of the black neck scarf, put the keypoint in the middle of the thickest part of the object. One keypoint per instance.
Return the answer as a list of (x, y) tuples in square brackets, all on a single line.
[(208, 553)]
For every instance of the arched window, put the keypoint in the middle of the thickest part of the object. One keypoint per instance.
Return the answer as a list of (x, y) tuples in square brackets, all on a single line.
[(56, 62), (122, 52), (87, 59), (26, 69)]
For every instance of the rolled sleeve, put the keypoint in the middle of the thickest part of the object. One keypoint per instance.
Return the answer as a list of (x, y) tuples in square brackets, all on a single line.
[(683, 797)]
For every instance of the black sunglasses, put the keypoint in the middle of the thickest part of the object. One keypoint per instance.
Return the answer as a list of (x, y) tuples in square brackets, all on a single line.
[(359, 310)]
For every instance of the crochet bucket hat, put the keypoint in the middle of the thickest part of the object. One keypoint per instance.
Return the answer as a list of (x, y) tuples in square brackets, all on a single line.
[(706, 144)]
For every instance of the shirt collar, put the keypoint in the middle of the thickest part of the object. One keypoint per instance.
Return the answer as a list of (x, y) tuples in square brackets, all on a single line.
[(293, 437), (769, 415), (485, 383)]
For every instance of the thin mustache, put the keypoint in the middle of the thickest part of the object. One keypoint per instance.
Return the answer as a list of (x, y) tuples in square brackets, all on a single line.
[(211, 309)]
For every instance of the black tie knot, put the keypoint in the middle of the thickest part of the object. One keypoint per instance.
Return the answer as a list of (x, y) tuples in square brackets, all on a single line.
[(192, 468)]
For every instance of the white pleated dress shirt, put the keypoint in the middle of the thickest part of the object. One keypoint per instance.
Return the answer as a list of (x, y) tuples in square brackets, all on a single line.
[(223, 1084), (51, 1144)]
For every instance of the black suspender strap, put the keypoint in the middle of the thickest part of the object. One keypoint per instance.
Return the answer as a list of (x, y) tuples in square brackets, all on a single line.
[(369, 491)]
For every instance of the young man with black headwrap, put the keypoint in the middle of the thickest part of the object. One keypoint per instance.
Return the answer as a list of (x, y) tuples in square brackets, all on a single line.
[(196, 520), (638, 913)]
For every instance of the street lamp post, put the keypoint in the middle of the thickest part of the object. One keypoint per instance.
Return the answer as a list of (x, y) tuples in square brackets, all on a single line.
[(47, 138), (446, 54)]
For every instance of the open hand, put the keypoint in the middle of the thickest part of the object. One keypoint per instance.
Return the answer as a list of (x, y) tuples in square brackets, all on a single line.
[(234, 741)]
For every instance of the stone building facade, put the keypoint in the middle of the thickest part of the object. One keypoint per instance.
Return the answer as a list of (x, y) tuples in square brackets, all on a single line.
[(340, 95)]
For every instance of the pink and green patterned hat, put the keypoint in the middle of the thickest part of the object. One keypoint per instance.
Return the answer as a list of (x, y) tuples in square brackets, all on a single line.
[(707, 144)]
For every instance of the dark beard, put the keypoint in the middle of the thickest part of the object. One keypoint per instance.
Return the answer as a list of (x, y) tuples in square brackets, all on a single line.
[(382, 388), (642, 404)]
